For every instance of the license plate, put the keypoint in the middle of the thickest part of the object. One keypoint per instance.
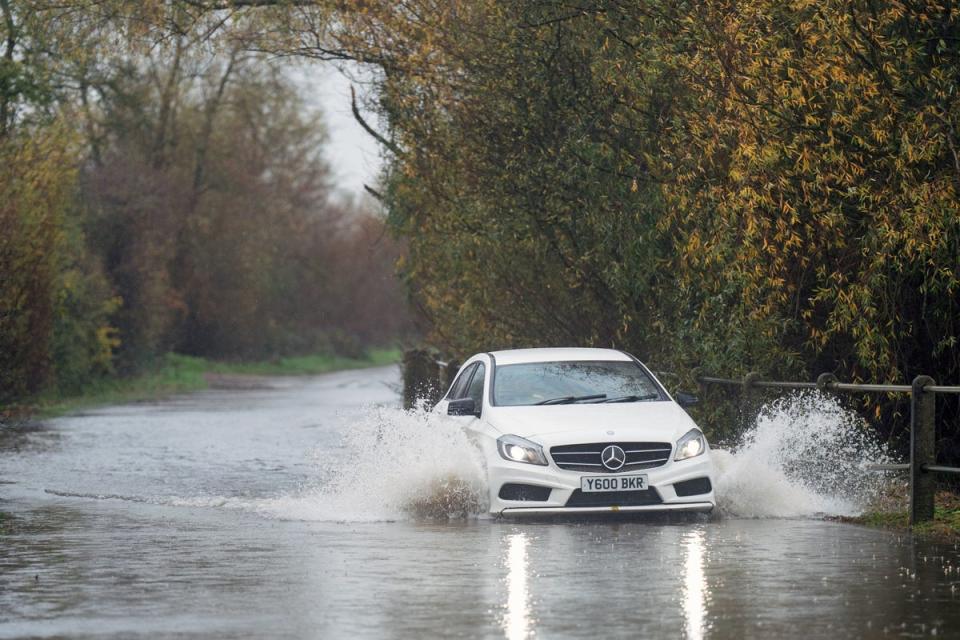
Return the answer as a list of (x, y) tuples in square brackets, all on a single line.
[(596, 484)]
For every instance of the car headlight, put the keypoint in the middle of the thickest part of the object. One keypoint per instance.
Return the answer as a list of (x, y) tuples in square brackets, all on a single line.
[(691, 445), (517, 449)]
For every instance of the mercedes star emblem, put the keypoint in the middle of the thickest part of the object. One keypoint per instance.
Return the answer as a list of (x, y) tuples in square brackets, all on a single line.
[(613, 457)]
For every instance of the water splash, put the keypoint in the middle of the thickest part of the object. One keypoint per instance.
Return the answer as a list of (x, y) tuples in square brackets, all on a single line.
[(392, 464), (805, 456)]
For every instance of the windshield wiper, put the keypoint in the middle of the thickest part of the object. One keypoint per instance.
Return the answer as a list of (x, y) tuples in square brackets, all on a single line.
[(572, 399), (649, 396)]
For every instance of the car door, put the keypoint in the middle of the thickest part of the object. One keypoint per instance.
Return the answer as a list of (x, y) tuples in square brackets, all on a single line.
[(458, 388), (473, 389), (476, 386), (471, 384)]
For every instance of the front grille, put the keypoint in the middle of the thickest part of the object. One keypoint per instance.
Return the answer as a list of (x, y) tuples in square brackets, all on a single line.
[(614, 498), (586, 457)]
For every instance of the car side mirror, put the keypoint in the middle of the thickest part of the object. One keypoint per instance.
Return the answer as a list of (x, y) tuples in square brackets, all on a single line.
[(463, 407), (685, 399)]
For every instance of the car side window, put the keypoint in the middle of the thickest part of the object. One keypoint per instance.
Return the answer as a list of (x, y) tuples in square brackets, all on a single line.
[(476, 386), (459, 388)]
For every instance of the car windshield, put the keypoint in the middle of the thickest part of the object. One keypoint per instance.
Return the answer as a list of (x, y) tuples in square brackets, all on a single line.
[(572, 382)]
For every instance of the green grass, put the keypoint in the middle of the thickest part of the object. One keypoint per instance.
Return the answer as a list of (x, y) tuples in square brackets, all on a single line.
[(305, 365), (177, 373), (945, 525)]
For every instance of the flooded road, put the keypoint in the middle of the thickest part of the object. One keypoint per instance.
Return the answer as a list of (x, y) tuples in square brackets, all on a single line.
[(210, 516)]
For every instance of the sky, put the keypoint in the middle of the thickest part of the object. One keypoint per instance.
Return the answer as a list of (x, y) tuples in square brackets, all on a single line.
[(353, 155)]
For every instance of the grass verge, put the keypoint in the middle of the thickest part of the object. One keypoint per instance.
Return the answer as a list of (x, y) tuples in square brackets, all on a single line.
[(945, 526), (177, 373)]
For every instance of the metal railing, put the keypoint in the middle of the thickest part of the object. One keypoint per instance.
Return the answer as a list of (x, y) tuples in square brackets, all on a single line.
[(923, 455)]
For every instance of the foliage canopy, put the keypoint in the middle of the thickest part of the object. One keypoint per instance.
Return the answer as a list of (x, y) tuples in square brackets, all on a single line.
[(735, 185)]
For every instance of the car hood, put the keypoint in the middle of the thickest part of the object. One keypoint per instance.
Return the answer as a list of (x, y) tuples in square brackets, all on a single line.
[(641, 421)]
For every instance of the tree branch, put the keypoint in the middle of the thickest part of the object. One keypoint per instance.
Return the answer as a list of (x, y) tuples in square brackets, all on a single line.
[(366, 127), (376, 194)]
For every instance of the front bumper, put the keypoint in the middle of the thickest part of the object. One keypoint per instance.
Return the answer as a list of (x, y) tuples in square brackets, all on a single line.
[(689, 507), (563, 483)]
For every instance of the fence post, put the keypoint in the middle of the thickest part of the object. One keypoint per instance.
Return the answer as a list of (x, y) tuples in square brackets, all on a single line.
[(696, 373), (922, 451), (749, 407), (825, 381), (420, 377)]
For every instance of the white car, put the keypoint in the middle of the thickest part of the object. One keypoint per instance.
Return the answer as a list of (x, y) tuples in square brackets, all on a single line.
[(568, 431)]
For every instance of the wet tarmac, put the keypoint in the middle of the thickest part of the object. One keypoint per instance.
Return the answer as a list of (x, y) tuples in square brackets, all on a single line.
[(160, 520)]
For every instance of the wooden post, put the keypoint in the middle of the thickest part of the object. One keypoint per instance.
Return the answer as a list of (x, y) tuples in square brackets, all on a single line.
[(749, 404), (825, 380), (922, 452), (421, 377)]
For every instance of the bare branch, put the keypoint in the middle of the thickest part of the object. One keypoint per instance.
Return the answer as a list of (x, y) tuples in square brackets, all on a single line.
[(366, 127), (376, 194)]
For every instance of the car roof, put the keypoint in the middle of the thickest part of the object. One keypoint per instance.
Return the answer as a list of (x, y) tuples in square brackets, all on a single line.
[(518, 356)]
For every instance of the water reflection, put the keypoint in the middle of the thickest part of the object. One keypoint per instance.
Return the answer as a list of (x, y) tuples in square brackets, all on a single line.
[(517, 620), (695, 591)]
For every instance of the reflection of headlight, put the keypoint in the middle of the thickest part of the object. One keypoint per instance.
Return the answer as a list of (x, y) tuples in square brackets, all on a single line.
[(690, 445), (517, 449)]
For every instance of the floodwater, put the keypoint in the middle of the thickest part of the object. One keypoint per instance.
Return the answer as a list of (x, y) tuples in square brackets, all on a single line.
[(273, 513)]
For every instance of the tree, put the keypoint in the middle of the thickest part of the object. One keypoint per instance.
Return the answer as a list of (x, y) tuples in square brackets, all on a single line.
[(738, 185)]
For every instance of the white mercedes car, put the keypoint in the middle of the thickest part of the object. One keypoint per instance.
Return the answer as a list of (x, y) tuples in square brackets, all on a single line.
[(569, 431)]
